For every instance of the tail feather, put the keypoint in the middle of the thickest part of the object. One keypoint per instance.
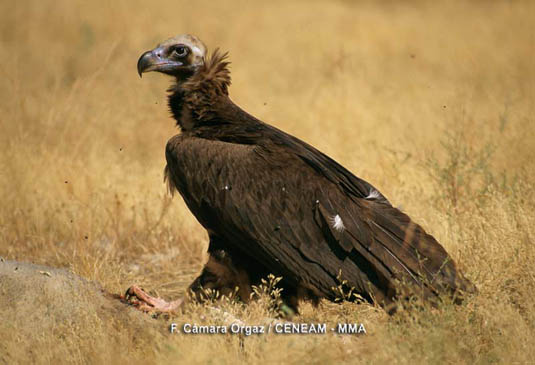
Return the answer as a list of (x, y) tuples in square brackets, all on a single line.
[(422, 256)]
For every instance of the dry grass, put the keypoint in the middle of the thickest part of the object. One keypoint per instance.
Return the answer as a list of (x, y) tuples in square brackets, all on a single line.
[(431, 102)]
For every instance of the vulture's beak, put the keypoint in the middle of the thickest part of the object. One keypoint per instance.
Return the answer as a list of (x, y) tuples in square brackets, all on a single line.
[(146, 62), (156, 60)]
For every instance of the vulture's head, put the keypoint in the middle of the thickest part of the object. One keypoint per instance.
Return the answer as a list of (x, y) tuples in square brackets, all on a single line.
[(180, 56)]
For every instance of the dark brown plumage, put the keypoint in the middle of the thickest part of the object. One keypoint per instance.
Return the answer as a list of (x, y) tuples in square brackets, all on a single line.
[(273, 204)]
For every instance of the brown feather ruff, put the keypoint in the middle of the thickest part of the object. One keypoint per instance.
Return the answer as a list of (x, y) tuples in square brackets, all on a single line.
[(213, 76), (206, 86)]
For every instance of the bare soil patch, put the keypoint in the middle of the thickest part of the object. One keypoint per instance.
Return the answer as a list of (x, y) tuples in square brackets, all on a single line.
[(49, 314)]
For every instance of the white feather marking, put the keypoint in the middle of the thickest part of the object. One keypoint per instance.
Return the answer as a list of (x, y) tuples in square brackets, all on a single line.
[(374, 194), (338, 224)]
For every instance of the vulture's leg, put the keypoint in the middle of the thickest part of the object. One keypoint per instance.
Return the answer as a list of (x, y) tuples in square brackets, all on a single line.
[(222, 277), (227, 270)]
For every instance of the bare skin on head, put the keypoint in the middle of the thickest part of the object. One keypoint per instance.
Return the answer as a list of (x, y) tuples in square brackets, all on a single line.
[(180, 56)]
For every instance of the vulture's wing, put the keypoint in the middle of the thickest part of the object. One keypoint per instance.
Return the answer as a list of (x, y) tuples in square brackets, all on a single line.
[(258, 132), (273, 206), (353, 186)]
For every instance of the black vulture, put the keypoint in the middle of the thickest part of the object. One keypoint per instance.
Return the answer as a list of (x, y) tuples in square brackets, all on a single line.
[(272, 204)]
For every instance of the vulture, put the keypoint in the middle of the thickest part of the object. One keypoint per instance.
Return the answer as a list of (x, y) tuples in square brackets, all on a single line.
[(273, 204)]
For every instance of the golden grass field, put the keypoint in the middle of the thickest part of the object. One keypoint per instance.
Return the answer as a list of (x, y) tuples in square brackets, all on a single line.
[(432, 102)]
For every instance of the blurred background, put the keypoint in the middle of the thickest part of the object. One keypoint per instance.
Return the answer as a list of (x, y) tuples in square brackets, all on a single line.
[(431, 102)]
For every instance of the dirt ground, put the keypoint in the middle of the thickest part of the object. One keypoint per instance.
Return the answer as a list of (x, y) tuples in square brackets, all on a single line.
[(62, 310)]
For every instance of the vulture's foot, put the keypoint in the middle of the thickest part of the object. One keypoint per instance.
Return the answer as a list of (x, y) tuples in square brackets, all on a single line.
[(138, 298)]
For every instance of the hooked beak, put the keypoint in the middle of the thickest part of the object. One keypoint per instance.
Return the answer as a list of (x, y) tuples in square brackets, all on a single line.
[(156, 61)]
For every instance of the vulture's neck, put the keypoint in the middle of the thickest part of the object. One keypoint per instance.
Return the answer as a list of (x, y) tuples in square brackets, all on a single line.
[(194, 101)]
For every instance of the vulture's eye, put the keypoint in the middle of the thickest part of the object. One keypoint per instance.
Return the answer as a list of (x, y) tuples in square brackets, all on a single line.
[(180, 51)]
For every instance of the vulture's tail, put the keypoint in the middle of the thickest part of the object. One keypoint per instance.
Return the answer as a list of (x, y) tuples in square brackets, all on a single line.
[(414, 257)]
